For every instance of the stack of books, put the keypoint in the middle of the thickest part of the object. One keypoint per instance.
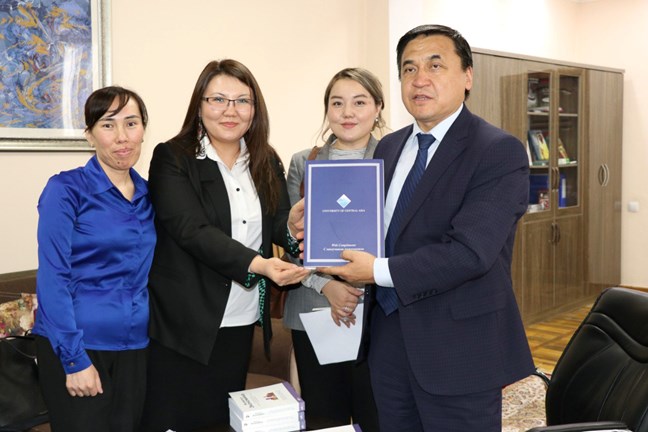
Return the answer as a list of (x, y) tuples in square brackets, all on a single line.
[(272, 408)]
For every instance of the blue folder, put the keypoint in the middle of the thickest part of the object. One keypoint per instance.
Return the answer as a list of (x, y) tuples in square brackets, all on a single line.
[(344, 203)]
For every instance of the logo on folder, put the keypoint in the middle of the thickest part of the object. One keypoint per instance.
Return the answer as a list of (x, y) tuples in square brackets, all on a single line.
[(343, 201)]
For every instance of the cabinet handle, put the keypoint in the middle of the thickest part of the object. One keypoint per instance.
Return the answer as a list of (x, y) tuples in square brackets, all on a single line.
[(601, 175), (553, 233), (556, 178), (604, 175), (557, 233)]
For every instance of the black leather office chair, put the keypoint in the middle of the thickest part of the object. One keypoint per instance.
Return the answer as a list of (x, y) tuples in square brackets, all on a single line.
[(601, 379)]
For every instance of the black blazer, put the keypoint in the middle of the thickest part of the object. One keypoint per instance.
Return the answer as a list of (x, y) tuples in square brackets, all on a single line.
[(452, 261), (195, 258)]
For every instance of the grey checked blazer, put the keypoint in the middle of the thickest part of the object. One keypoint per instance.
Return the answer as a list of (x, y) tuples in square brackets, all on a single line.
[(304, 299)]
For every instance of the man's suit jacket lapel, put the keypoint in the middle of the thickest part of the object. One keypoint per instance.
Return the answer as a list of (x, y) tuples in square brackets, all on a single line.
[(453, 144)]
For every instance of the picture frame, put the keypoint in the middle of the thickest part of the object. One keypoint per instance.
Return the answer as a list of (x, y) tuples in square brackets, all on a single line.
[(57, 53)]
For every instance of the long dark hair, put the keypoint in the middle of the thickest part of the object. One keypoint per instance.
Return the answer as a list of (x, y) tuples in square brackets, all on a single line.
[(263, 158)]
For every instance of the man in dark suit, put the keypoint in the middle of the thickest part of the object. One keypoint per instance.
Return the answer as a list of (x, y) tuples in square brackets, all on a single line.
[(443, 332)]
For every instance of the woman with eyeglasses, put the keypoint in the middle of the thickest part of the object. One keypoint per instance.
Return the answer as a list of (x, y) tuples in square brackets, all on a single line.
[(220, 197), (335, 393)]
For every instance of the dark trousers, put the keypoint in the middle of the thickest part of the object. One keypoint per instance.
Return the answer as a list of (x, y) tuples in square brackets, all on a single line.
[(404, 406), (118, 409), (184, 395), (334, 393)]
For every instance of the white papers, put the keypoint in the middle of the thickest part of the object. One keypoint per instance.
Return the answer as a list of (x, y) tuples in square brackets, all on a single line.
[(333, 344)]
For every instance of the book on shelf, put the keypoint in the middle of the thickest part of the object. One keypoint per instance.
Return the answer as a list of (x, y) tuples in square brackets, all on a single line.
[(539, 197), (539, 145), (562, 191), (533, 149), (528, 150), (268, 400), (563, 156), (562, 151), (540, 163)]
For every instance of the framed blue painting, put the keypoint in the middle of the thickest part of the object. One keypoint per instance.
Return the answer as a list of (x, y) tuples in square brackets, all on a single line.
[(54, 54)]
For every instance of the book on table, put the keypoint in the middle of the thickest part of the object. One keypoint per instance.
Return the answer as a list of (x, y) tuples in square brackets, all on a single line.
[(281, 422), (264, 409)]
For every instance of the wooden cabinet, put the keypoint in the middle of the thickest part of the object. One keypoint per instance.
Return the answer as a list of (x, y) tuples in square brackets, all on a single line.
[(569, 117), (605, 90)]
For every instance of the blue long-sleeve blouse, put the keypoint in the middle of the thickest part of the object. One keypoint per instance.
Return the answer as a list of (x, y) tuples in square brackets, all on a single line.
[(95, 249)]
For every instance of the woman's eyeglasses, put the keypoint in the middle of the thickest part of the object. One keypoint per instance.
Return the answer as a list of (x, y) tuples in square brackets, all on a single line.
[(220, 103)]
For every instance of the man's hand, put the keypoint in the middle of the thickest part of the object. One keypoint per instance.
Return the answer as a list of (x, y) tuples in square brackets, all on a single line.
[(84, 383), (358, 271)]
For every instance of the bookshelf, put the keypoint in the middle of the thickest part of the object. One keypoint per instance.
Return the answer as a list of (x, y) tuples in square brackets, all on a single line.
[(569, 117)]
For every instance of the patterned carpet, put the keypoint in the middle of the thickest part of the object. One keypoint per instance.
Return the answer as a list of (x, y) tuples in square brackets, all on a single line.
[(523, 405)]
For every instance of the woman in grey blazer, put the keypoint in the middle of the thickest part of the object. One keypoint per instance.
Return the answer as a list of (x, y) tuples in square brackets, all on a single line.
[(339, 392)]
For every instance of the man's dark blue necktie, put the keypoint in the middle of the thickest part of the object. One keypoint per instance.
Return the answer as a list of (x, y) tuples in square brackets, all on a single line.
[(386, 296)]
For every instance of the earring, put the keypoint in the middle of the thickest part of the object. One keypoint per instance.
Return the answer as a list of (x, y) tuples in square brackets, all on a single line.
[(201, 135), (201, 129)]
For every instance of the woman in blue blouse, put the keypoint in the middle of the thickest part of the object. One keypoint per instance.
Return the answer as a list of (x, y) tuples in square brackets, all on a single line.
[(95, 246)]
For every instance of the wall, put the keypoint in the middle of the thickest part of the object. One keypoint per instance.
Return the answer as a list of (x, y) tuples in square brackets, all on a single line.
[(159, 50), (616, 35)]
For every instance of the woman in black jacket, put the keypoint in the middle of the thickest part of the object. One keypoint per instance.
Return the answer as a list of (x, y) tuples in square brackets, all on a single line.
[(219, 192)]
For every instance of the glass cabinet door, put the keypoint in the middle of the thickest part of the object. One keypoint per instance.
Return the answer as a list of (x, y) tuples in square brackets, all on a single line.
[(553, 140), (568, 136), (538, 133)]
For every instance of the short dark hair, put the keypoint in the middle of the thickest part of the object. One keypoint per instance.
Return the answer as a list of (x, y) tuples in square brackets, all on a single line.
[(462, 48), (100, 100)]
